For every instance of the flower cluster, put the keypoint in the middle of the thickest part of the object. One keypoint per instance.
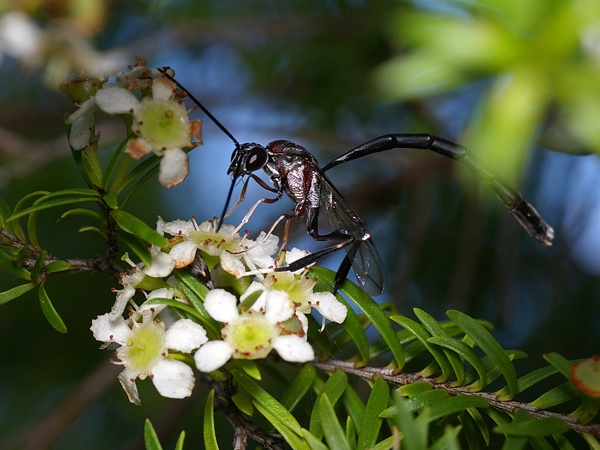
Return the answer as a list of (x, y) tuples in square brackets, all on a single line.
[(151, 106), (249, 309)]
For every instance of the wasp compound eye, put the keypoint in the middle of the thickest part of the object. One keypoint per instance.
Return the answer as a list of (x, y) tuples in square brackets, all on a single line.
[(257, 158)]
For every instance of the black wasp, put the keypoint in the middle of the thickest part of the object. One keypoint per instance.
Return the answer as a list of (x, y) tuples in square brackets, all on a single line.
[(295, 172)]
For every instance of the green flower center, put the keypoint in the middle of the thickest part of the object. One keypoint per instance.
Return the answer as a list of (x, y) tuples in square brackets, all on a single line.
[(144, 347), (298, 289), (163, 123), (250, 336), (214, 243)]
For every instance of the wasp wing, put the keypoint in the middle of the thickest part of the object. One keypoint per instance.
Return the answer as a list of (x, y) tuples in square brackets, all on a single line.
[(362, 253)]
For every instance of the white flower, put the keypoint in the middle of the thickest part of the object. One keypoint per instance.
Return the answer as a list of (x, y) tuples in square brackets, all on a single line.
[(160, 121), (162, 266), (236, 254), (251, 334), (20, 37), (143, 350), (82, 124), (129, 281), (299, 287)]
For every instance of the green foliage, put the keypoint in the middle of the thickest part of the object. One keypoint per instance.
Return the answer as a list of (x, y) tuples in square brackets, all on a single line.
[(381, 380)]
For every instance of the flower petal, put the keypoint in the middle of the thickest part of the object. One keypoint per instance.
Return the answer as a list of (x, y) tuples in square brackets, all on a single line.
[(175, 227), (127, 380), (106, 330), (116, 100), (221, 305), (232, 265), (82, 122), (162, 265), (185, 335), (162, 89), (279, 307), (293, 348), (174, 167), (173, 379), (329, 306), (183, 254), (212, 355), (153, 309), (123, 296)]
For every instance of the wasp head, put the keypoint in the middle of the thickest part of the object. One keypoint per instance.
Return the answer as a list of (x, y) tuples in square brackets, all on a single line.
[(245, 159)]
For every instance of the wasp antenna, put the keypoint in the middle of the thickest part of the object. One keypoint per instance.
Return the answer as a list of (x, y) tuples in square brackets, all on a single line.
[(200, 105)]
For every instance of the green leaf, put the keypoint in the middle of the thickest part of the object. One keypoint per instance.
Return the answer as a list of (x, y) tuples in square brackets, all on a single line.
[(436, 329), (94, 229), (37, 267), (333, 388), (113, 164), (560, 363), (370, 309), (423, 335), (530, 379), (195, 292), (555, 396), (417, 402), (353, 326), (150, 438), (59, 198), (5, 212), (295, 440), (209, 432), (350, 432), (180, 441), (32, 231), (466, 353), (111, 201), (354, 406), (454, 405), (175, 304), (526, 425), (299, 387), (135, 226), (416, 388), (88, 162), (137, 246), (490, 346), (57, 266), (334, 434), (15, 292), (378, 401), (81, 212), (313, 441), (267, 401), (243, 402), (449, 440), (9, 265), (250, 368), (50, 312), (387, 444), (481, 424), (414, 431)]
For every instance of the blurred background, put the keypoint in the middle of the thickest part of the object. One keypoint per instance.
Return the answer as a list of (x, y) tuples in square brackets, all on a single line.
[(517, 82)]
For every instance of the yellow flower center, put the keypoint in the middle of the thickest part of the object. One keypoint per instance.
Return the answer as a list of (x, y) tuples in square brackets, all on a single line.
[(250, 336), (144, 347), (163, 124)]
